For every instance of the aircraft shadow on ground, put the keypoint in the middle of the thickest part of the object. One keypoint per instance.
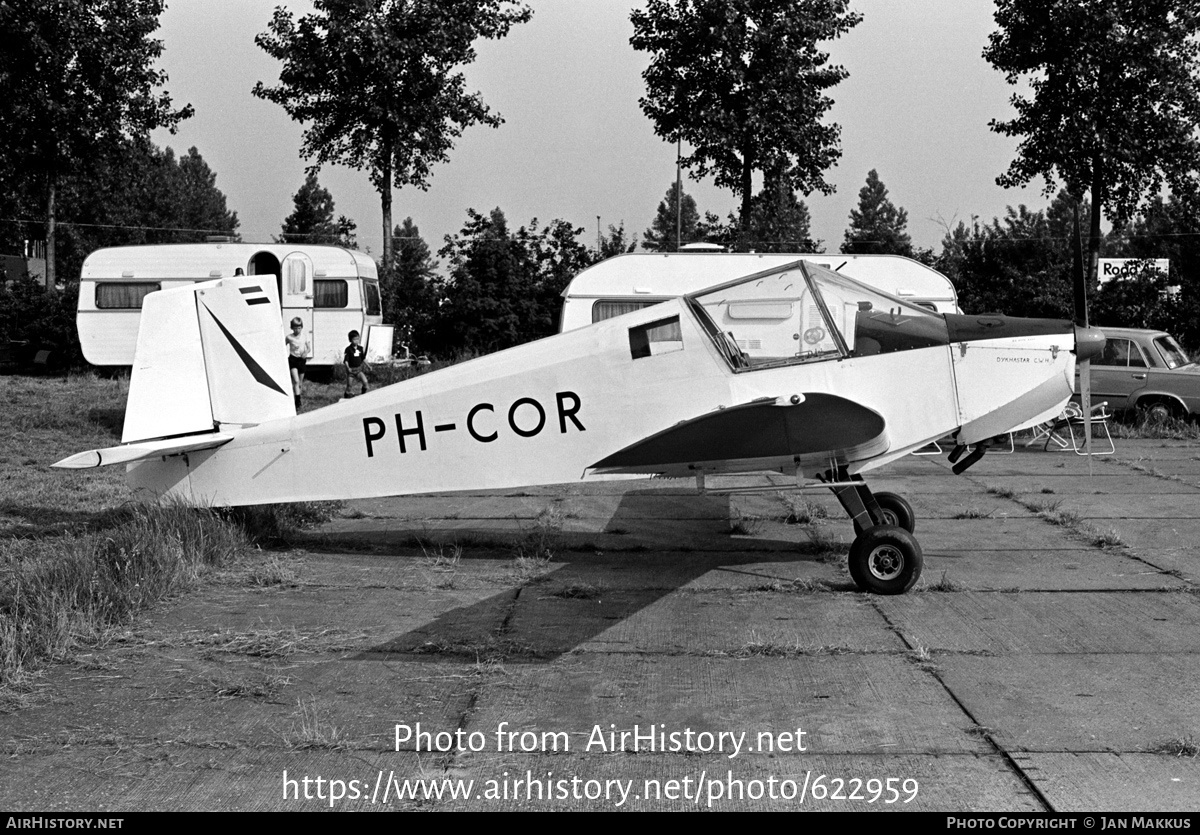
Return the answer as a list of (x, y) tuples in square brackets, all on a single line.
[(587, 588)]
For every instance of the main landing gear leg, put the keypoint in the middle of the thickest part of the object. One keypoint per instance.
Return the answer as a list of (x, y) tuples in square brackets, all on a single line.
[(885, 558)]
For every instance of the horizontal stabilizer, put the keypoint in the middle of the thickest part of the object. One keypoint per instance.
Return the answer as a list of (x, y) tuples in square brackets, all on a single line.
[(128, 453), (761, 429)]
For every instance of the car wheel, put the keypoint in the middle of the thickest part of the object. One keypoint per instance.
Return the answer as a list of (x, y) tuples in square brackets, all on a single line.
[(1159, 411)]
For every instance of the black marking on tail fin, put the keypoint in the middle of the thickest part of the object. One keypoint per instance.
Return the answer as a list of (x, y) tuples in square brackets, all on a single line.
[(256, 370)]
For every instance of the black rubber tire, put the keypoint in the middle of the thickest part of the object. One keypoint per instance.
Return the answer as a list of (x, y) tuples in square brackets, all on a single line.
[(885, 560), (1159, 411), (897, 511)]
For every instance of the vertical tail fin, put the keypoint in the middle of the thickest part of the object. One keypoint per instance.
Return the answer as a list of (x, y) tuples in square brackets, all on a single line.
[(208, 356)]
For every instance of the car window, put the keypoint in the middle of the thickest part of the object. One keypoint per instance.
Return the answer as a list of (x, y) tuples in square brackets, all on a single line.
[(1122, 353), (1136, 358), (1172, 355)]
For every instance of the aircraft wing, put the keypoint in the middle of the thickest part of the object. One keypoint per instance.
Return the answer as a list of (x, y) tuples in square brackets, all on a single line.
[(142, 450), (762, 431)]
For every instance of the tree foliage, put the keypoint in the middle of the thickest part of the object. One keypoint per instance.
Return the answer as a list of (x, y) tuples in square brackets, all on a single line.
[(411, 288), (616, 242), (744, 84), (661, 236), (311, 220), (779, 220), (78, 81), (1166, 228), (379, 83), (505, 287), (1019, 264), (1114, 99), (877, 226), (140, 194)]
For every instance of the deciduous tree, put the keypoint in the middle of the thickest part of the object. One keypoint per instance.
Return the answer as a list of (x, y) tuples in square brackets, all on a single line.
[(77, 79), (379, 83), (616, 242), (505, 287), (743, 83), (1114, 99)]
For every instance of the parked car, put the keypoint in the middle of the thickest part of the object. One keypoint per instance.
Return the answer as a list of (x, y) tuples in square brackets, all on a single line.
[(1145, 371)]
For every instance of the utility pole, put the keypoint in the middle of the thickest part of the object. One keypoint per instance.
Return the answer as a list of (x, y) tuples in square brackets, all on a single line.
[(678, 196)]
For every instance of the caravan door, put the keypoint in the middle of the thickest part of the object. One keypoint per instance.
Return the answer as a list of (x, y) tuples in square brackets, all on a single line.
[(296, 294)]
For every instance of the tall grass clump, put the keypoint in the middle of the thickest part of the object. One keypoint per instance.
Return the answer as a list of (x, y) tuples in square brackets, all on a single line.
[(58, 591), (280, 524)]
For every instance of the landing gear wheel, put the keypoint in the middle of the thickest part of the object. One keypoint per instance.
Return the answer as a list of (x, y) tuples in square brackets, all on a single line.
[(897, 511), (885, 559)]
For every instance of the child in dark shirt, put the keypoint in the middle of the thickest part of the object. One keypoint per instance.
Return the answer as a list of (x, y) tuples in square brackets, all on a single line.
[(354, 356)]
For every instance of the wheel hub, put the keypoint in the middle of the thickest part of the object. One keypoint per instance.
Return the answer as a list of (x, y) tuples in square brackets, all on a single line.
[(886, 562)]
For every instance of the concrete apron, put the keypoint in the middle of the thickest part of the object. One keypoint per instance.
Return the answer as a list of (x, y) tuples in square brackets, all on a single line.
[(675, 651)]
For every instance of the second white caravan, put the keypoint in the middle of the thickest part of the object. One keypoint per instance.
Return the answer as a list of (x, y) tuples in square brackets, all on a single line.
[(626, 283)]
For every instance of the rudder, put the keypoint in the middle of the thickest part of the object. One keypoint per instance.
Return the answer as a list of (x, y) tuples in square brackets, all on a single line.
[(208, 357)]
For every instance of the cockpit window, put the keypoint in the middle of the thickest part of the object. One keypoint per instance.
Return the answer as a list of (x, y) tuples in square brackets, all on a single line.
[(806, 313), (653, 338)]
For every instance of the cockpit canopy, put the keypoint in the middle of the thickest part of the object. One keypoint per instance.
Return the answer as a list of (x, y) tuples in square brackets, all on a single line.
[(805, 313)]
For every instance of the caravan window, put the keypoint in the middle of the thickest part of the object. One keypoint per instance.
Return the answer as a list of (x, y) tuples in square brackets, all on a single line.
[(609, 308), (330, 293), (123, 295), (374, 308)]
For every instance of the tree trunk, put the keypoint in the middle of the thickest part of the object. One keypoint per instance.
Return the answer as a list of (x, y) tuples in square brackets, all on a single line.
[(385, 194), (743, 235), (51, 276)]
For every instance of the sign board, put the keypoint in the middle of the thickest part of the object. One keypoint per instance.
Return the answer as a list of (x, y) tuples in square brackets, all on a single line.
[(1110, 268)]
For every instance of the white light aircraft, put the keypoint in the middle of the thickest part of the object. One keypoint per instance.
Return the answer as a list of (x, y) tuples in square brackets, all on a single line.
[(848, 379)]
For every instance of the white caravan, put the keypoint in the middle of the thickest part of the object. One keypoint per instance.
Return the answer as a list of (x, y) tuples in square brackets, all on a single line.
[(626, 283), (333, 290)]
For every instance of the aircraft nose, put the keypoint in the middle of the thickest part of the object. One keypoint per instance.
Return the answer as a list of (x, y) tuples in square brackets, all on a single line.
[(1089, 343)]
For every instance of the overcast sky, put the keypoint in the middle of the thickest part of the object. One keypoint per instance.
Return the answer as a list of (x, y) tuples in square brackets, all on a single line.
[(575, 145)]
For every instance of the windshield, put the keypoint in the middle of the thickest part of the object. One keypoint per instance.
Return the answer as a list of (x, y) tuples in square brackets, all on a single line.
[(1171, 353), (805, 313)]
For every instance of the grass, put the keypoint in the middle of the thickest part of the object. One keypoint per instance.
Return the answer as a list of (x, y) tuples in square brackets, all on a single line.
[(800, 585), (312, 731), (757, 648), (77, 558), (742, 524), (535, 545), (56, 592), (945, 584), (258, 686), (1146, 428), (801, 510), (578, 591), (973, 513), (1183, 746)]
